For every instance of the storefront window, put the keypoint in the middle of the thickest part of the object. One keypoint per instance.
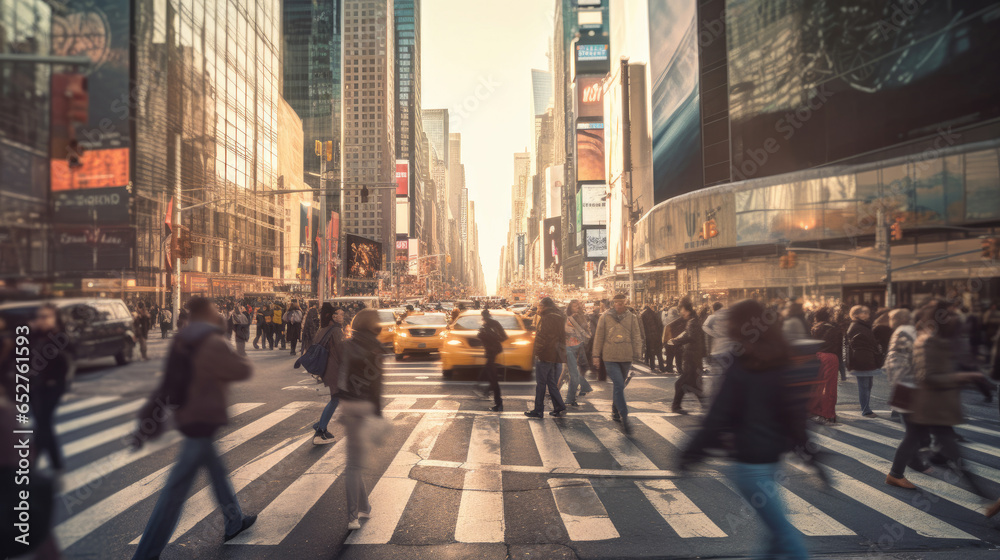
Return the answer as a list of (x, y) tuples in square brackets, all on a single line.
[(982, 186)]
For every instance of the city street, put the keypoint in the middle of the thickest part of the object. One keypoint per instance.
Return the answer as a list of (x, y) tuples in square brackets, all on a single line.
[(452, 480)]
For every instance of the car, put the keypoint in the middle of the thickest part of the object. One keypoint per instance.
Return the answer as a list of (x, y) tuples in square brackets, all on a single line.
[(96, 327), (386, 320), (519, 308), (461, 348), (419, 333)]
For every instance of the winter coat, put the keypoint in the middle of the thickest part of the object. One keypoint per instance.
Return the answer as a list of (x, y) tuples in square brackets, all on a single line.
[(899, 361), (309, 326), (939, 400), (550, 338), (793, 328), (333, 349), (215, 365), (618, 339), (360, 374), (832, 337), (241, 325), (294, 320), (142, 323), (651, 324), (862, 349), (491, 335), (692, 343)]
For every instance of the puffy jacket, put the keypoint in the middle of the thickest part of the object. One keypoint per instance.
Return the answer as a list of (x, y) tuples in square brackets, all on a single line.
[(550, 338), (939, 400), (333, 349), (862, 349), (832, 337), (899, 367), (618, 339)]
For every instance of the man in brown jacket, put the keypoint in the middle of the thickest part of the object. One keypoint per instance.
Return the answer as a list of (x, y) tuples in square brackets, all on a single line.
[(199, 369), (618, 341), (550, 351)]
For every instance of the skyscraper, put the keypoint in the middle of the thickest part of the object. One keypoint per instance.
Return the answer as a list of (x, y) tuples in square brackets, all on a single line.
[(409, 125), (456, 173), (436, 129), (369, 148)]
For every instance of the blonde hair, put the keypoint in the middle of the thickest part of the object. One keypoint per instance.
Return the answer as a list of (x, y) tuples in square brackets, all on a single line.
[(365, 320), (900, 317), (856, 311)]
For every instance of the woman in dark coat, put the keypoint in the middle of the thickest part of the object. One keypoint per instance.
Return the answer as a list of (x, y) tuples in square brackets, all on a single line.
[(293, 317), (864, 358), (51, 367), (332, 322)]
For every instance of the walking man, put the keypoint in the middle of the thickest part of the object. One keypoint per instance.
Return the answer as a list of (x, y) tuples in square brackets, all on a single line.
[(142, 324), (241, 328), (199, 369), (492, 335), (550, 353), (692, 345), (618, 341), (654, 348), (166, 318)]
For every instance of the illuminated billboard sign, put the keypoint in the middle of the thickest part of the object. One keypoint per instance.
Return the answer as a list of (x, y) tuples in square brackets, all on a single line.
[(552, 238), (592, 58), (402, 177), (364, 257), (594, 205), (590, 152), (596, 241), (589, 97)]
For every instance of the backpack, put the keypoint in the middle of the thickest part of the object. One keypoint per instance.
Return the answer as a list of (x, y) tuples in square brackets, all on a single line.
[(315, 357)]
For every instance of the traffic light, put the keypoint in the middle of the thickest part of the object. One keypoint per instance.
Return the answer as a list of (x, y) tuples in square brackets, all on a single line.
[(448, 259), (788, 260), (329, 150), (709, 229), (896, 230), (364, 194), (991, 248)]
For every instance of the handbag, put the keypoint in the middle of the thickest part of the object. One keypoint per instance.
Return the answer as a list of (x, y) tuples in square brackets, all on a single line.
[(903, 395), (315, 357)]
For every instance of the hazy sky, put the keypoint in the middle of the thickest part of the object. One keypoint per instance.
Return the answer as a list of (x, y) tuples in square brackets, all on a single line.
[(476, 61)]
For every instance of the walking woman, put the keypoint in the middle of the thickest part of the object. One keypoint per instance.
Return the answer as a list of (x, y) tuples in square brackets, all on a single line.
[(52, 367), (864, 358), (899, 368), (360, 391), (293, 317), (331, 334), (577, 336), (753, 407)]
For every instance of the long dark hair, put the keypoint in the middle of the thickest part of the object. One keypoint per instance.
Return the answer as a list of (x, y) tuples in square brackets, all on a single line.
[(757, 332)]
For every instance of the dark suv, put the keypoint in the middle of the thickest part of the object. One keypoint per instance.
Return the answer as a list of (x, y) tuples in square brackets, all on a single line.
[(96, 327)]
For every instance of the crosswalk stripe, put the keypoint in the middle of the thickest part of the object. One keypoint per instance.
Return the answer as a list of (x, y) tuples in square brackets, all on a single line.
[(83, 404), (481, 513), (203, 503), (286, 511), (926, 483), (552, 447), (975, 446), (581, 510), (91, 419), (678, 510), (801, 514), (392, 492), (83, 523), (621, 448), (899, 511), (505, 383), (92, 474), (979, 469)]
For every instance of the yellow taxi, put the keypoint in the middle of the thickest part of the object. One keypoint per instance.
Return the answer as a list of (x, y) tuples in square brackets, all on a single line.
[(419, 333), (462, 349), (386, 320)]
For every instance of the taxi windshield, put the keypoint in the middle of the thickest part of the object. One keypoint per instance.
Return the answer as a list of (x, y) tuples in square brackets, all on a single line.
[(436, 319), (474, 322)]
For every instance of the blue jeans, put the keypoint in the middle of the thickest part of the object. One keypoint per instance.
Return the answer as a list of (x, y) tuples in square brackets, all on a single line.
[(328, 410), (576, 380), (865, 381), (547, 377), (756, 482), (617, 372), (195, 453)]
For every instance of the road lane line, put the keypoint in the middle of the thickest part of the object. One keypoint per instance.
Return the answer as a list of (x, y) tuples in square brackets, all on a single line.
[(678, 510), (481, 513), (93, 474), (392, 492), (91, 419), (84, 404), (86, 521), (804, 516), (581, 510)]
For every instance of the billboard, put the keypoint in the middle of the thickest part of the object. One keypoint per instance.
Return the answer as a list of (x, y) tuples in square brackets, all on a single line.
[(364, 257), (590, 152), (98, 168), (402, 248), (413, 249), (402, 216), (83, 248), (596, 243), (592, 58), (520, 249), (589, 97), (595, 204), (821, 84), (102, 206), (402, 177), (675, 102), (555, 177), (551, 238)]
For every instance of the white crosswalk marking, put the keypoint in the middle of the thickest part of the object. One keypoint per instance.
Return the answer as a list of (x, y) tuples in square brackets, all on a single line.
[(552, 446), (581, 510), (393, 490), (480, 513), (91, 419), (975, 446), (83, 404), (621, 448), (678, 510), (83, 523)]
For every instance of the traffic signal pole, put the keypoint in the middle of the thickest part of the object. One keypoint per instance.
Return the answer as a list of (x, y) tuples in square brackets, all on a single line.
[(627, 177), (175, 227)]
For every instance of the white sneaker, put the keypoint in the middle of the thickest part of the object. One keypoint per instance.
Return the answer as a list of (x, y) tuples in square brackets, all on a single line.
[(353, 525)]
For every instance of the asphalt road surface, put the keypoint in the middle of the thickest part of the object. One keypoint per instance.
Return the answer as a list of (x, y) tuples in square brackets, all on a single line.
[(452, 480)]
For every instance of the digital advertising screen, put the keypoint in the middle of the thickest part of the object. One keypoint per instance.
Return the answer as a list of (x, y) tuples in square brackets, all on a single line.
[(596, 243), (552, 238), (589, 97), (364, 257), (590, 152)]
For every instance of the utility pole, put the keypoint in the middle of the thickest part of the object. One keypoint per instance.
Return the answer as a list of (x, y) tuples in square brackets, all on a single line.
[(883, 223), (175, 228), (627, 177), (323, 219)]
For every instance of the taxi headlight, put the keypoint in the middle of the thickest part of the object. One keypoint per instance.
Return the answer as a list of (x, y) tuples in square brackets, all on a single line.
[(455, 342), (521, 342), (403, 333), (390, 329)]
